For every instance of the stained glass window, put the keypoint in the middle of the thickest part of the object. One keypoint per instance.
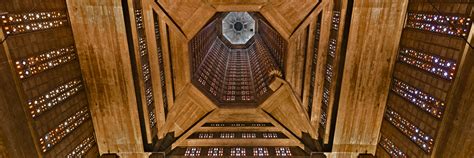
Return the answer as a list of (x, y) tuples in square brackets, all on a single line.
[(215, 152), (227, 135), (449, 25), (336, 19), (419, 137), (193, 151), (35, 21), (54, 136), (282, 151), (83, 147), (390, 147), (33, 65), (260, 151), (206, 135), (433, 64), (238, 125), (145, 69), (237, 151), (249, 135), (421, 99), (42, 103), (270, 135), (331, 63)]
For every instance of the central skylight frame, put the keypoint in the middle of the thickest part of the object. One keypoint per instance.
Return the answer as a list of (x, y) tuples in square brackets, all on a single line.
[(238, 27)]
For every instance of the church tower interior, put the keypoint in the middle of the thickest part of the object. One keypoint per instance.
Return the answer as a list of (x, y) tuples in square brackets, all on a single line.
[(236, 78)]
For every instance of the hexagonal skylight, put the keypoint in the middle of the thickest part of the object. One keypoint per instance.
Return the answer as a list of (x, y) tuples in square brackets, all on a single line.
[(238, 27)]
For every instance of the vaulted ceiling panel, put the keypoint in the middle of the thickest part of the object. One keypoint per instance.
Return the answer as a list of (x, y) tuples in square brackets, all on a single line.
[(286, 15), (189, 15), (181, 11), (177, 52), (294, 11), (285, 108), (192, 104)]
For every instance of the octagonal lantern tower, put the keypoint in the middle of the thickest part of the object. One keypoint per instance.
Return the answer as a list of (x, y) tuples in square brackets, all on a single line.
[(235, 57)]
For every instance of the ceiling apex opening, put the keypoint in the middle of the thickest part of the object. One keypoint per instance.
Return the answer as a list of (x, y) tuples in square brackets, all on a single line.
[(238, 27)]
